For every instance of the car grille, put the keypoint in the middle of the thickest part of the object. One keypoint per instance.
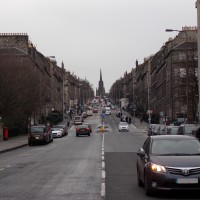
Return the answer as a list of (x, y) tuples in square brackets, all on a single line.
[(183, 171)]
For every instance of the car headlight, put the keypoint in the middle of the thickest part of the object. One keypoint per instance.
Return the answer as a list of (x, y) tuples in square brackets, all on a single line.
[(157, 168)]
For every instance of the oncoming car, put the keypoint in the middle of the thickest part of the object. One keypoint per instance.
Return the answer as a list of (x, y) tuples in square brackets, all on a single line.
[(169, 162), (123, 126)]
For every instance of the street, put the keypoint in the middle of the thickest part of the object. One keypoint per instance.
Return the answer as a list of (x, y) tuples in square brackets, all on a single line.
[(101, 166)]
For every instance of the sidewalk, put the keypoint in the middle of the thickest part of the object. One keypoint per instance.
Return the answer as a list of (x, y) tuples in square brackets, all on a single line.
[(13, 143), (138, 124), (17, 142)]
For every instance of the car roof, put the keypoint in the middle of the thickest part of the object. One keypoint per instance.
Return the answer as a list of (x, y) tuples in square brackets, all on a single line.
[(171, 137)]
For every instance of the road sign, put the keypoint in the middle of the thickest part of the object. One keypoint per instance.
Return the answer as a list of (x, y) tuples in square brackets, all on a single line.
[(102, 115)]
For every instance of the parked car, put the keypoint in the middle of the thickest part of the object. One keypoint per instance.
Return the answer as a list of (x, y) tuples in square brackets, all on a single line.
[(123, 126), (153, 129), (59, 130), (84, 114), (89, 112), (89, 126), (161, 130), (186, 129), (40, 134), (82, 130), (196, 132), (78, 120), (171, 130), (169, 162), (150, 128)]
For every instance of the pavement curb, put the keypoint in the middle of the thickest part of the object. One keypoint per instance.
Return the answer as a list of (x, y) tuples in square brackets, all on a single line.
[(12, 148)]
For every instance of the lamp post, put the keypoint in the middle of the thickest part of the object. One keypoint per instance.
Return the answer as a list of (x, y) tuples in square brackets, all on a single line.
[(187, 71)]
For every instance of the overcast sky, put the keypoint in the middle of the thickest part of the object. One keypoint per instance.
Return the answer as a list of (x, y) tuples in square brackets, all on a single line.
[(91, 34)]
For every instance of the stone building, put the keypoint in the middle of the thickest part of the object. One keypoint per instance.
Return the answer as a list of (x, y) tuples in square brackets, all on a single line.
[(17, 53)]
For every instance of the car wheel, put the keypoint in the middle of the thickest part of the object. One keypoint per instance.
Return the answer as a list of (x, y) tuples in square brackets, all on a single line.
[(76, 135), (148, 189), (30, 143), (88, 134)]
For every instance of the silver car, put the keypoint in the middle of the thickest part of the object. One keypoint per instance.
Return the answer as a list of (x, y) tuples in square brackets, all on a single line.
[(123, 126)]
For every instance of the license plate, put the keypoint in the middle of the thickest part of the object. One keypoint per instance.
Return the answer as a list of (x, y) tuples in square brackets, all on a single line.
[(187, 180)]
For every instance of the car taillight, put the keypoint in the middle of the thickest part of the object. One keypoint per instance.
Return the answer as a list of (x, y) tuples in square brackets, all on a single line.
[(87, 129), (77, 129)]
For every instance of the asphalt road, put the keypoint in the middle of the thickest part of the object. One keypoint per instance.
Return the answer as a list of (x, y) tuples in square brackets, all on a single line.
[(101, 166)]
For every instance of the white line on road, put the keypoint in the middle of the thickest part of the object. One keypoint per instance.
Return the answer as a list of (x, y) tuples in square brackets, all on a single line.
[(103, 191), (103, 165), (103, 187), (103, 174)]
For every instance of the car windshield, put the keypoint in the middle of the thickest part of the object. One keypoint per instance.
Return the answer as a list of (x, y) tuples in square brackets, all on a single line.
[(77, 118), (55, 129), (175, 147), (37, 130), (123, 123), (82, 126), (58, 126)]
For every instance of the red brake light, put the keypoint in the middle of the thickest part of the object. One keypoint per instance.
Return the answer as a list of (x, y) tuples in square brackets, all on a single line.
[(87, 129)]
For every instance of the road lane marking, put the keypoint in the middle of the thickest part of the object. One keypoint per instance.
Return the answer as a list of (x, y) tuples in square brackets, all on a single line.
[(103, 187), (103, 165), (103, 174), (103, 190)]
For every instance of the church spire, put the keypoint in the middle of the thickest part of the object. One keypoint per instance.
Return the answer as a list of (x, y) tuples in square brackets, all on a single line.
[(100, 75)]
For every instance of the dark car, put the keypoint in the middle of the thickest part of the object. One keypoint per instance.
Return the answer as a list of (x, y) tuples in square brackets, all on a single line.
[(40, 133), (82, 130), (169, 162)]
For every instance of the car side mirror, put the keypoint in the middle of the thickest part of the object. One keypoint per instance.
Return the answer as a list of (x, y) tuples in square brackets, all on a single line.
[(141, 153)]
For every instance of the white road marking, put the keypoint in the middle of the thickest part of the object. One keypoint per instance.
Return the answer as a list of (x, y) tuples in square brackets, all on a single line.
[(103, 165), (103, 174), (103, 187), (103, 191)]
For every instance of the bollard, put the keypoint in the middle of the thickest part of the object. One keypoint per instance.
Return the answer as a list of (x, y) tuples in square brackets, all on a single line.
[(5, 133)]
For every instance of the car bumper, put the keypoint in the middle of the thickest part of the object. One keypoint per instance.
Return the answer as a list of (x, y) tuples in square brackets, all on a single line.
[(82, 133), (167, 181), (78, 123)]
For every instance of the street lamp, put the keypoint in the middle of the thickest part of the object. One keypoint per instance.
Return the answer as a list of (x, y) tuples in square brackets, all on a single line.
[(187, 71)]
